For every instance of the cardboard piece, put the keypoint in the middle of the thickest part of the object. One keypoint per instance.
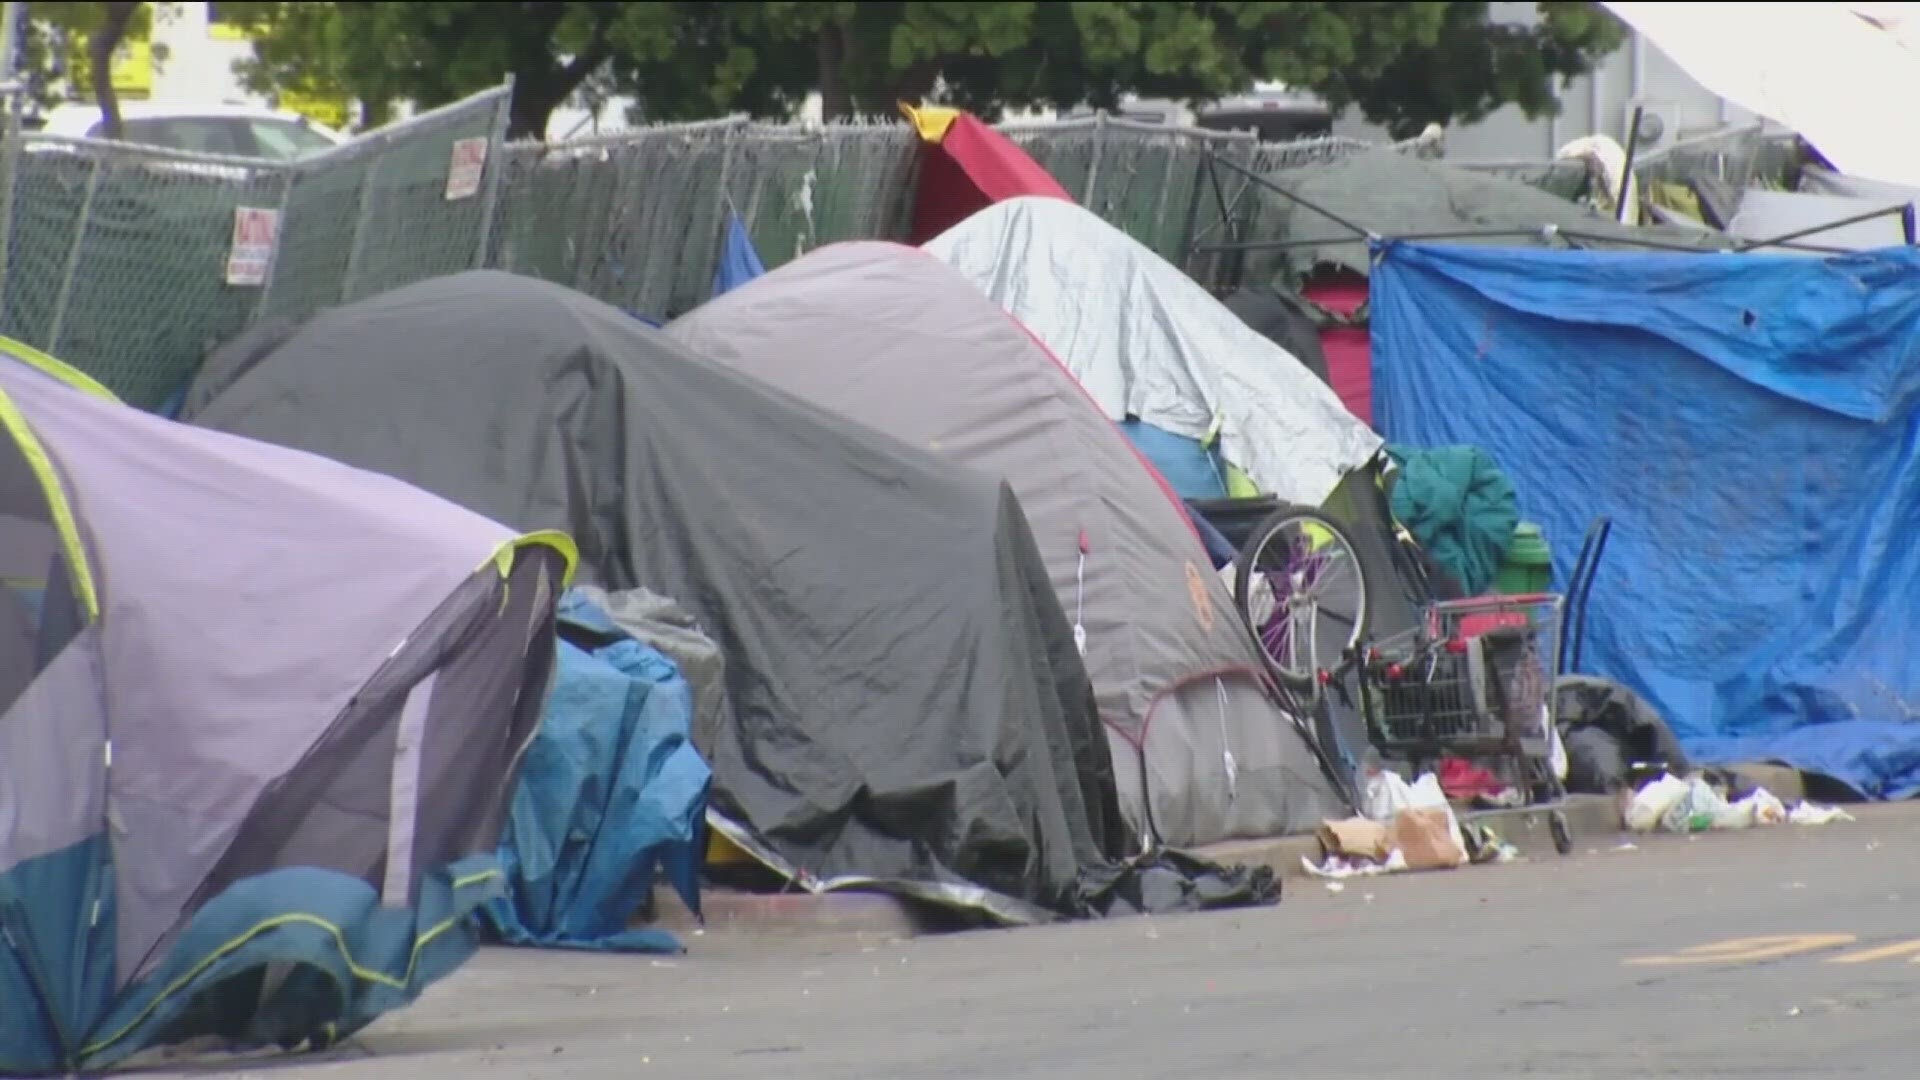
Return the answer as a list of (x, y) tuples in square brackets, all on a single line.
[(1425, 835), (1356, 838)]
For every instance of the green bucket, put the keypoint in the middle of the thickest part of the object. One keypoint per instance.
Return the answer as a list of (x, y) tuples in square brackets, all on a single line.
[(1528, 567)]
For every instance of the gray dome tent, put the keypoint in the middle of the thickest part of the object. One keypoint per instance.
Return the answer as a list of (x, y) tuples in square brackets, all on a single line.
[(907, 710), (893, 338), (264, 713)]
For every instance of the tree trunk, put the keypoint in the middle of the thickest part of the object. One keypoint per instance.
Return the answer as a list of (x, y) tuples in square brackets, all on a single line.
[(537, 91), (836, 99), (527, 117), (100, 50)]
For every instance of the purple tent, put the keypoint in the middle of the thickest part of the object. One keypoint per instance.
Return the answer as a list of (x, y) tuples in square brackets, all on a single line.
[(260, 718)]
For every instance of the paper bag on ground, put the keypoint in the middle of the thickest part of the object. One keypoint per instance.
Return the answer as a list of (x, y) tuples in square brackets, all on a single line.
[(1425, 835), (1357, 838)]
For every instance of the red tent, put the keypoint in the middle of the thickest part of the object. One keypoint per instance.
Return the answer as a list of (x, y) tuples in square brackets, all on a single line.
[(966, 166)]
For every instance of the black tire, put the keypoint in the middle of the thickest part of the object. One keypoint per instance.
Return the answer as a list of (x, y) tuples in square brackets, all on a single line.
[(1244, 569), (1562, 832)]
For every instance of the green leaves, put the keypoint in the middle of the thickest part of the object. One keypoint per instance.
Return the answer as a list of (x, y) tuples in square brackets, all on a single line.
[(1402, 63)]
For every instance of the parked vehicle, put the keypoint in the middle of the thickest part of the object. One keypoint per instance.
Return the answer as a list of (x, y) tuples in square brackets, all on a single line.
[(227, 130)]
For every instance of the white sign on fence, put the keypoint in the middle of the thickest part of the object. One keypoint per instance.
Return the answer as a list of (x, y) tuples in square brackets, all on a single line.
[(255, 232), (468, 163)]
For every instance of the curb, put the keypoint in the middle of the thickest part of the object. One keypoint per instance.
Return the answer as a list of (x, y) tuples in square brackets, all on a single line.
[(791, 914), (1590, 817)]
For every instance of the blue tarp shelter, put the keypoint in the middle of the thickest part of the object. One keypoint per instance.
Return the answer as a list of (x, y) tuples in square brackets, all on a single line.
[(1750, 423), (611, 794)]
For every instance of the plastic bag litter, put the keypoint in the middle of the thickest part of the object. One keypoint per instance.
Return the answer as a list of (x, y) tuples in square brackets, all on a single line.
[(1758, 808), (1671, 804), (1651, 803), (1696, 810), (1811, 814), (1387, 795), (1427, 792), (1337, 868)]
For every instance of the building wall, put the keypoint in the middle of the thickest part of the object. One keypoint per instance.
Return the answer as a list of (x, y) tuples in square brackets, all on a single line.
[(198, 63), (1597, 104)]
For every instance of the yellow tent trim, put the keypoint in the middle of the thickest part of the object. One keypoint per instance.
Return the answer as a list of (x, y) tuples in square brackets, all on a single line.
[(502, 558), (332, 930), (1212, 437), (931, 121), (1239, 484), (65, 372), (57, 505)]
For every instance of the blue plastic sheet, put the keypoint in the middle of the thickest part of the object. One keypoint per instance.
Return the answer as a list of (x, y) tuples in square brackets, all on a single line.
[(739, 261), (1750, 423), (611, 794), (1192, 470)]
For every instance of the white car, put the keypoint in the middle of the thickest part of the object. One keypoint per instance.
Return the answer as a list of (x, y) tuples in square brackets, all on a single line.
[(228, 130)]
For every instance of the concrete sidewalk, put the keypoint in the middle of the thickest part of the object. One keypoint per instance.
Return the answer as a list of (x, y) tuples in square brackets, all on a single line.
[(1590, 817)]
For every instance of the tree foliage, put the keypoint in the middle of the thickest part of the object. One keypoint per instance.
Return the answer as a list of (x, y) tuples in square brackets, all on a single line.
[(51, 31), (1404, 64), (427, 53)]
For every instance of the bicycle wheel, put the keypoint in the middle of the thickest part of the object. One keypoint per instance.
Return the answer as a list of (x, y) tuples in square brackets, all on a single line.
[(1299, 585)]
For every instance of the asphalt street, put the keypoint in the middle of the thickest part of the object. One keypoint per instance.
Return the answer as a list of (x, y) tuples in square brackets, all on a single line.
[(1784, 952)]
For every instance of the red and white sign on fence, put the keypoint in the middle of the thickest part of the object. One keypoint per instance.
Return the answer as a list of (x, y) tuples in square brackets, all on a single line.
[(255, 232), (464, 170)]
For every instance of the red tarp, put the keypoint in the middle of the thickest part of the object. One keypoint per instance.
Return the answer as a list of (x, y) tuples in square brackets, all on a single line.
[(965, 167), (1349, 355)]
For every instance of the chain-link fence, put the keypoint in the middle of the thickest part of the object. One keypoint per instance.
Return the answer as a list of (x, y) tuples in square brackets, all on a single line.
[(131, 262), (637, 219)]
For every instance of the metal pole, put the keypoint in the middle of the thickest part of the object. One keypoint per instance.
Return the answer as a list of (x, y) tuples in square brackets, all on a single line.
[(723, 199), (1812, 230), (9, 181), (1626, 170), (363, 209), (1569, 235), (1189, 240), (1160, 211), (12, 22), (1316, 241), (496, 164), (11, 18), (73, 259), (279, 241), (1093, 166), (1233, 269)]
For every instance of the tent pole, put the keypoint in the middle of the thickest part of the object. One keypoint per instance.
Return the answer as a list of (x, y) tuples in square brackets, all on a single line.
[(1856, 219), (1280, 245), (1574, 237), (1220, 197), (1358, 232), (1233, 271), (1626, 170)]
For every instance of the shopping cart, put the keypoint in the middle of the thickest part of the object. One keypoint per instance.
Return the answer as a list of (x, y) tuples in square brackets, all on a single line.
[(1474, 680)]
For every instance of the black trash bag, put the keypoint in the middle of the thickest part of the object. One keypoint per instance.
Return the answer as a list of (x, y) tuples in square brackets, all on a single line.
[(1166, 881), (1614, 738)]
